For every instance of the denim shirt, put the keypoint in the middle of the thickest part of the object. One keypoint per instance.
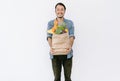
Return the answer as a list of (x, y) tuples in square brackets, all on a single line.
[(70, 26)]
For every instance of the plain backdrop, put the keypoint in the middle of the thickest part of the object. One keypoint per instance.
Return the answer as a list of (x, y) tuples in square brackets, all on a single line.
[(24, 50)]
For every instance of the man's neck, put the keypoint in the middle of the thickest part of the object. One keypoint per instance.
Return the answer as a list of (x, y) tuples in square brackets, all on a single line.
[(60, 19)]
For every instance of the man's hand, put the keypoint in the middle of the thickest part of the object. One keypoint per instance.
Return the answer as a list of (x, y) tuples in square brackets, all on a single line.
[(68, 50)]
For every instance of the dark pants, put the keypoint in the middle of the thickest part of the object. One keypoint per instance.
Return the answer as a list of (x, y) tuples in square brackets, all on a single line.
[(57, 62)]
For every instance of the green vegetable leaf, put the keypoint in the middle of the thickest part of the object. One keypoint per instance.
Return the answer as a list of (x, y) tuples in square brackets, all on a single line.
[(58, 31)]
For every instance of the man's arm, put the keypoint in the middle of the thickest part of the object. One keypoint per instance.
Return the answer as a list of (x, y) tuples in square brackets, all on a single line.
[(50, 42), (71, 41), (72, 37), (49, 36)]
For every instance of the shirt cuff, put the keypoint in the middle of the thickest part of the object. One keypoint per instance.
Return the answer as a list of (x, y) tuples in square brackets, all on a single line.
[(72, 35), (49, 37)]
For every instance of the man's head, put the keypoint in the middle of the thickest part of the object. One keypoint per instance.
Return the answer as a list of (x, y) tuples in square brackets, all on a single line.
[(60, 10)]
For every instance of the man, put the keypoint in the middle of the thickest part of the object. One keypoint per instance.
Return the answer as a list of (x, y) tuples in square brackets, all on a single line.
[(61, 60)]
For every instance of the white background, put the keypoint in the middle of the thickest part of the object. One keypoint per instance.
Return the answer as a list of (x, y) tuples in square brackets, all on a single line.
[(24, 49)]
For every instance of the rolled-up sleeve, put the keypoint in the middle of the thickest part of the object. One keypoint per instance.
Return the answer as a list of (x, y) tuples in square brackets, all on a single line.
[(71, 30), (49, 26)]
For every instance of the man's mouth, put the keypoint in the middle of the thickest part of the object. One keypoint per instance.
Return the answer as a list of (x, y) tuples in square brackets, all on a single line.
[(60, 17)]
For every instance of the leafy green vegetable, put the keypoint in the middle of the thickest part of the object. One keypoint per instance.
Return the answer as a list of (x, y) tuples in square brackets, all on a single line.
[(61, 28), (58, 31)]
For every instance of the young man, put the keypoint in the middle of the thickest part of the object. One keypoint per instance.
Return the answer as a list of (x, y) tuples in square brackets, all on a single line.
[(61, 60)]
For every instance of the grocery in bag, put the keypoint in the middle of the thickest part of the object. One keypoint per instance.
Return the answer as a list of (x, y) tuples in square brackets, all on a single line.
[(60, 38)]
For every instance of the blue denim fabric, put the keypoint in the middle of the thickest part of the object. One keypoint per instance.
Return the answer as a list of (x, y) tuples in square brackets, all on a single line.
[(70, 26)]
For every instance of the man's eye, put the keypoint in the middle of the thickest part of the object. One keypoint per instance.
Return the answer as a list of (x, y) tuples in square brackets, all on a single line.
[(62, 9), (58, 9)]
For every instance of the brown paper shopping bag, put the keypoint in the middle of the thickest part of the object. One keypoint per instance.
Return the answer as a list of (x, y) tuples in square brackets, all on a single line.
[(60, 43)]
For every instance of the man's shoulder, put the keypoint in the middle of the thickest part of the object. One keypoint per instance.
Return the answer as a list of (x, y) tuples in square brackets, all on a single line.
[(68, 21), (50, 21)]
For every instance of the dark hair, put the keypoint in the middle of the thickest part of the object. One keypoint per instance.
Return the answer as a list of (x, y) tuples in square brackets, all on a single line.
[(61, 5)]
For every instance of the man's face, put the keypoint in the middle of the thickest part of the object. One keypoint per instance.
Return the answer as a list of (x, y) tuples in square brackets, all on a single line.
[(60, 11)]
